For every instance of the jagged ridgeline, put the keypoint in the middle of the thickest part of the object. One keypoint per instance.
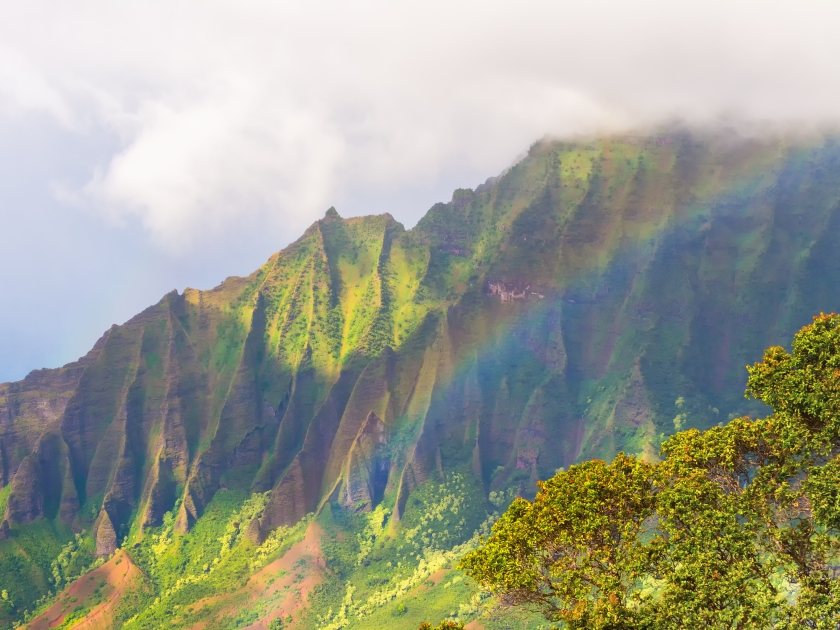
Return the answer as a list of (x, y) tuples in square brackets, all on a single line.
[(595, 297)]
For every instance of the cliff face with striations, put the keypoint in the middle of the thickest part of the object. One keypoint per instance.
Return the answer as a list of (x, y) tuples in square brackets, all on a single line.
[(593, 298)]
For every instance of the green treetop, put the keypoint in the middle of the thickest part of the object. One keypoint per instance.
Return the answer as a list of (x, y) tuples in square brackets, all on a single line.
[(737, 526)]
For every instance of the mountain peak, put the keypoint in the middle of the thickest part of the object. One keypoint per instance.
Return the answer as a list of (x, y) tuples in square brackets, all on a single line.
[(556, 313)]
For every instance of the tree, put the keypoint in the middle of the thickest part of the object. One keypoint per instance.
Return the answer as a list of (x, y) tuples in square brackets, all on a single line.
[(736, 527), (444, 625)]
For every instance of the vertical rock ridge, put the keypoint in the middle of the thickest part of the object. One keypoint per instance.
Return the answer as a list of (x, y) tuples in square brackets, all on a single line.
[(367, 466), (636, 272)]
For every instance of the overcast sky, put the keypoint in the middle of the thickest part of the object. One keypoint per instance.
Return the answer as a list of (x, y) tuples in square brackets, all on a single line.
[(146, 146)]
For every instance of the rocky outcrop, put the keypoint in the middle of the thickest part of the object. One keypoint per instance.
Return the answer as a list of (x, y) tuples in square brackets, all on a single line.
[(504, 294), (368, 467), (26, 502), (105, 536)]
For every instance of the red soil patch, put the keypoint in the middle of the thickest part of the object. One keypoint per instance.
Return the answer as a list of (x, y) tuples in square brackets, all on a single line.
[(438, 575), (436, 578), (286, 582), (473, 625), (117, 574)]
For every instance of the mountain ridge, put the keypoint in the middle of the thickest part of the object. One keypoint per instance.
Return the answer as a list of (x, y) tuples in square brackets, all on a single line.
[(595, 297)]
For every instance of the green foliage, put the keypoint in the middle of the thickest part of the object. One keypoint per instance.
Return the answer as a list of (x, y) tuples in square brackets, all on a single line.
[(25, 566), (444, 625), (737, 527), (551, 554), (440, 515), (407, 570), (251, 509), (214, 558), (4, 497), (374, 528), (137, 597), (75, 559)]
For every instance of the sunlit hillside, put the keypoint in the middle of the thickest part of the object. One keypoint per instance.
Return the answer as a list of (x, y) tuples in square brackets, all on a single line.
[(315, 445)]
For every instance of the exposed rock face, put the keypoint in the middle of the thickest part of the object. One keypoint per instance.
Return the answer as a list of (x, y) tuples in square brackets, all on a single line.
[(556, 313), (509, 295), (26, 500), (106, 537), (368, 465), (253, 533)]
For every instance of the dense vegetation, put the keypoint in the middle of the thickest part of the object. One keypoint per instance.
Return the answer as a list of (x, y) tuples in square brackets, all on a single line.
[(737, 526)]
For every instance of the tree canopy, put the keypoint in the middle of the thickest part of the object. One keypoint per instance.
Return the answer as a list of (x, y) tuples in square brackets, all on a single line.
[(736, 527)]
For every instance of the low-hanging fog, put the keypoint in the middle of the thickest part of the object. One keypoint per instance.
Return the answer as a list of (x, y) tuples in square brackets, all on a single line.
[(146, 146)]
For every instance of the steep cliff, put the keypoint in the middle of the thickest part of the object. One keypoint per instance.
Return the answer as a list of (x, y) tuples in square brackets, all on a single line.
[(596, 296)]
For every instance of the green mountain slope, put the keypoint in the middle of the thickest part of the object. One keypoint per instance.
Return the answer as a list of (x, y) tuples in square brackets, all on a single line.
[(594, 298)]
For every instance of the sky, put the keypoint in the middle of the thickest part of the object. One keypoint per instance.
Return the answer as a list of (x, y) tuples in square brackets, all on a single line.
[(150, 146)]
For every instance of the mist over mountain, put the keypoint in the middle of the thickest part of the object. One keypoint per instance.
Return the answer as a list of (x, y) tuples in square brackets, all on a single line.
[(371, 396), (167, 145)]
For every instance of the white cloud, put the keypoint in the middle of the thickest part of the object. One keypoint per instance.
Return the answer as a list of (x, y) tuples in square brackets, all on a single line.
[(278, 110)]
